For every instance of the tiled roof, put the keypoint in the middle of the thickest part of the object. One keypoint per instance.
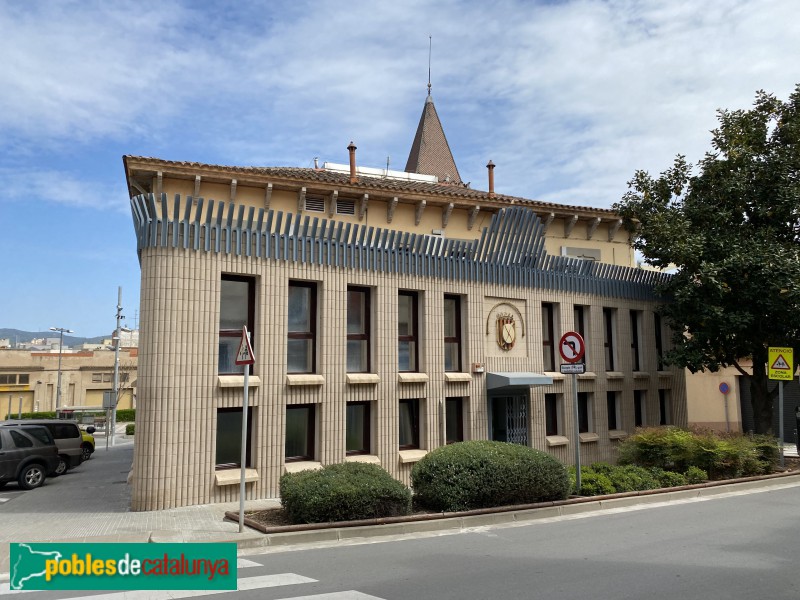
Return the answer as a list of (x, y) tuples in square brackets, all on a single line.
[(430, 153)]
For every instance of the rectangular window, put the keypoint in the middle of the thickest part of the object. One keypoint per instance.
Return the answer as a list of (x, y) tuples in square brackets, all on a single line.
[(299, 432), (236, 309), (612, 409), (314, 204), (579, 314), (609, 322), (345, 207), (452, 333), (107, 377), (664, 409), (548, 345), (358, 330), (97, 378), (552, 414), (407, 331), (585, 416), (409, 424), (454, 420), (229, 438), (636, 357), (639, 408), (357, 440), (23, 379), (659, 341), (302, 327)]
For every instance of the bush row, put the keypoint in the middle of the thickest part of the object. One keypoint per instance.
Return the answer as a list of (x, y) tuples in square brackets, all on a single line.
[(722, 456), (602, 478), (124, 415)]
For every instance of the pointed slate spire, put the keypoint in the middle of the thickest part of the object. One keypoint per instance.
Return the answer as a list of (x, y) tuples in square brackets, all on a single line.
[(430, 153)]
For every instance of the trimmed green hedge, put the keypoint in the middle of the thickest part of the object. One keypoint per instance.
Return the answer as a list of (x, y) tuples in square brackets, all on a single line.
[(125, 415), (32, 415), (601, 478), (482, 474), (343, 492), (721, 456), (130, 429)]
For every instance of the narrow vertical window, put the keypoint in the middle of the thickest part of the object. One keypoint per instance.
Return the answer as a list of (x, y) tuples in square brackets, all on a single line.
[(409, 424), (454, 420), (608, 337), (299, 432), (552, 412), (585, 420), (636, 358), (407, 331), (452, 333), (639, 412), (229, 438), (357, 437), (548, 346), (659, 341), (358, 330), (237, 299), (664, 410), (612, 410), (300, 347), (580, 326)]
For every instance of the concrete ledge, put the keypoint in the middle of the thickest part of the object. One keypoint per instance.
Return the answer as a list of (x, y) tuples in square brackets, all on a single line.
[(588, 437), (615, 375), (617, 434), (457, 377), (304, 379), (234, 476), (302, 465), (363, 458), (409, 456), (363, 378), (588, 375), (412, 378), (237, 381), (641, 375), (557, 440)]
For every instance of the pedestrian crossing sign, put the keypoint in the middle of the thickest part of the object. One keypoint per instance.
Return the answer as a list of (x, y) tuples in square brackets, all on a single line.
[(781, 364), (244, 355)]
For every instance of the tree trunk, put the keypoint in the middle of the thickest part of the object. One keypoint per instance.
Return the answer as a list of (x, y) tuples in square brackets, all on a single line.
[(760, 396)]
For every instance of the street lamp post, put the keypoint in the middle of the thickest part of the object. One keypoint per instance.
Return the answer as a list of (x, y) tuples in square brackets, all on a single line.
[(61, 331)]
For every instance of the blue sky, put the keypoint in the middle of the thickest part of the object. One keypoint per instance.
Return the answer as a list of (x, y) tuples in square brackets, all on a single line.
[(567, 98)]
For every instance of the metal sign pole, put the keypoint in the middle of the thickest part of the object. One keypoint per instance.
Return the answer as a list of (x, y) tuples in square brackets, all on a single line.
[(577, 434), (244, 447), (780, 419)]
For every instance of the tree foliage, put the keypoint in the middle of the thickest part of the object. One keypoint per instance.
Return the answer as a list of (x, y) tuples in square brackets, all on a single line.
[(731, 228)]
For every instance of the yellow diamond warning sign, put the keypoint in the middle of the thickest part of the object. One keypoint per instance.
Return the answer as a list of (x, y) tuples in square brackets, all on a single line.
[(781, 364)]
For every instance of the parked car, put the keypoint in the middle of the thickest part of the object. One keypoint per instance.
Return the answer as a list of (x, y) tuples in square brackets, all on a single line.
[(28, 453), (68, 440), (87, 443)]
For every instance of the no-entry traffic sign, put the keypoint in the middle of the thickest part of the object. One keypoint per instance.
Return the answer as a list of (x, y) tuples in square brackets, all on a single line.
[(572, 347)]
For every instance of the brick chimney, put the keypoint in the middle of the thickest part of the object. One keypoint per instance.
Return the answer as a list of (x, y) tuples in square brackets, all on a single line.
[(352, 149), (489, 166)]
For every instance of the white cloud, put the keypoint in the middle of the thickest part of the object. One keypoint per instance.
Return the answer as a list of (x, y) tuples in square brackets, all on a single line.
[(61, 187)]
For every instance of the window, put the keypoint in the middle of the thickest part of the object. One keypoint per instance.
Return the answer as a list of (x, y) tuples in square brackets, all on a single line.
[(300, 432), (23, 379), (552, 414), (639, 412), (409, 424), (612, 409), (40, 433), (548, 346), (664, 408), (229, 438), (636, 358), (659, 342), (579, 314), (123, 377), (407, 331), (300, 347), (237, 299), (358, 330), (97, 378), (20, 440), (314, 204), (454, 420), (585, 417), (358, 424), (609, 321), (452, 333), (345, 207), (107, 377)]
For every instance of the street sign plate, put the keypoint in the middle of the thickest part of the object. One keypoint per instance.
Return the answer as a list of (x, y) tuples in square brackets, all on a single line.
[(572, 347), (244, 355), (781, 364), (724, 387), (573, 369)]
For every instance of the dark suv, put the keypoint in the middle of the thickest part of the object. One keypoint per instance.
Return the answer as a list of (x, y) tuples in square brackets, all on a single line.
[(67, 436), (28, 454)]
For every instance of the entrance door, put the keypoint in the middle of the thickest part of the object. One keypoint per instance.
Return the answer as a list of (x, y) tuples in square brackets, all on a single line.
[(510, 419)]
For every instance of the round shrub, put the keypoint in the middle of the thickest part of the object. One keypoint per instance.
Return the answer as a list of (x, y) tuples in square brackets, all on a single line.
[(130, 429), (630, 478), (668, 478), (592, 483), (695, 475), (343, 492), (482, 474)]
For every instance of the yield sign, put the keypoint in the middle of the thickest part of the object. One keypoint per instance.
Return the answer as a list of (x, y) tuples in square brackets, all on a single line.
[(244, 355), (780, 364)]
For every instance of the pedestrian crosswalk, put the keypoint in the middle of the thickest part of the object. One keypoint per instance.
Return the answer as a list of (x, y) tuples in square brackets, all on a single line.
[(258, 582)]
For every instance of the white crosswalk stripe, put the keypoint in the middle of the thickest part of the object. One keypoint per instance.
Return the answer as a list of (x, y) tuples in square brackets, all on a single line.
[(243, 563), (348, 595), (4, 500)]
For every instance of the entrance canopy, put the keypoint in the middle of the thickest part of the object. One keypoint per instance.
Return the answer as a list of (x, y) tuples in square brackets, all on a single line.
[(516, 379)]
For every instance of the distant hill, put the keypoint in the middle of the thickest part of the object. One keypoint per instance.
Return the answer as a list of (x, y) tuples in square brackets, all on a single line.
[(18, 336)]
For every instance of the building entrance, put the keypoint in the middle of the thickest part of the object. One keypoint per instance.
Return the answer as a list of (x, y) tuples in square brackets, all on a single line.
[(509, 419)]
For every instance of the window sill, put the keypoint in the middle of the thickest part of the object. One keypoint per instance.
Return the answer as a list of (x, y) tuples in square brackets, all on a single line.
[(363, 458), (363, 378), (237, 381), (555, 375), (588, 375), (588, 437), (303, 465), (665, 373), (412, 378), (304, 379), (453, 377), (234, 476), (641, 375), (556, 440), (617, 434), (411, 456), (615, 375)]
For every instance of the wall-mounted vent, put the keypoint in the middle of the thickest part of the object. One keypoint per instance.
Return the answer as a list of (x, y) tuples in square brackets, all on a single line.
[(345, 207), (315, 204)]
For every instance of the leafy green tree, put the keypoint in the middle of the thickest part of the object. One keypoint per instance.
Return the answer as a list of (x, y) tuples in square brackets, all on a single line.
[(731, 229)]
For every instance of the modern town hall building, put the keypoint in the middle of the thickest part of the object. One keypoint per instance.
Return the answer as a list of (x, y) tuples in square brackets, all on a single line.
[(390, 313)]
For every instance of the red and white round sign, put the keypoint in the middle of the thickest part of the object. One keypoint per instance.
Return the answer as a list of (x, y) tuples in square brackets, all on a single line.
[(572, 347)]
